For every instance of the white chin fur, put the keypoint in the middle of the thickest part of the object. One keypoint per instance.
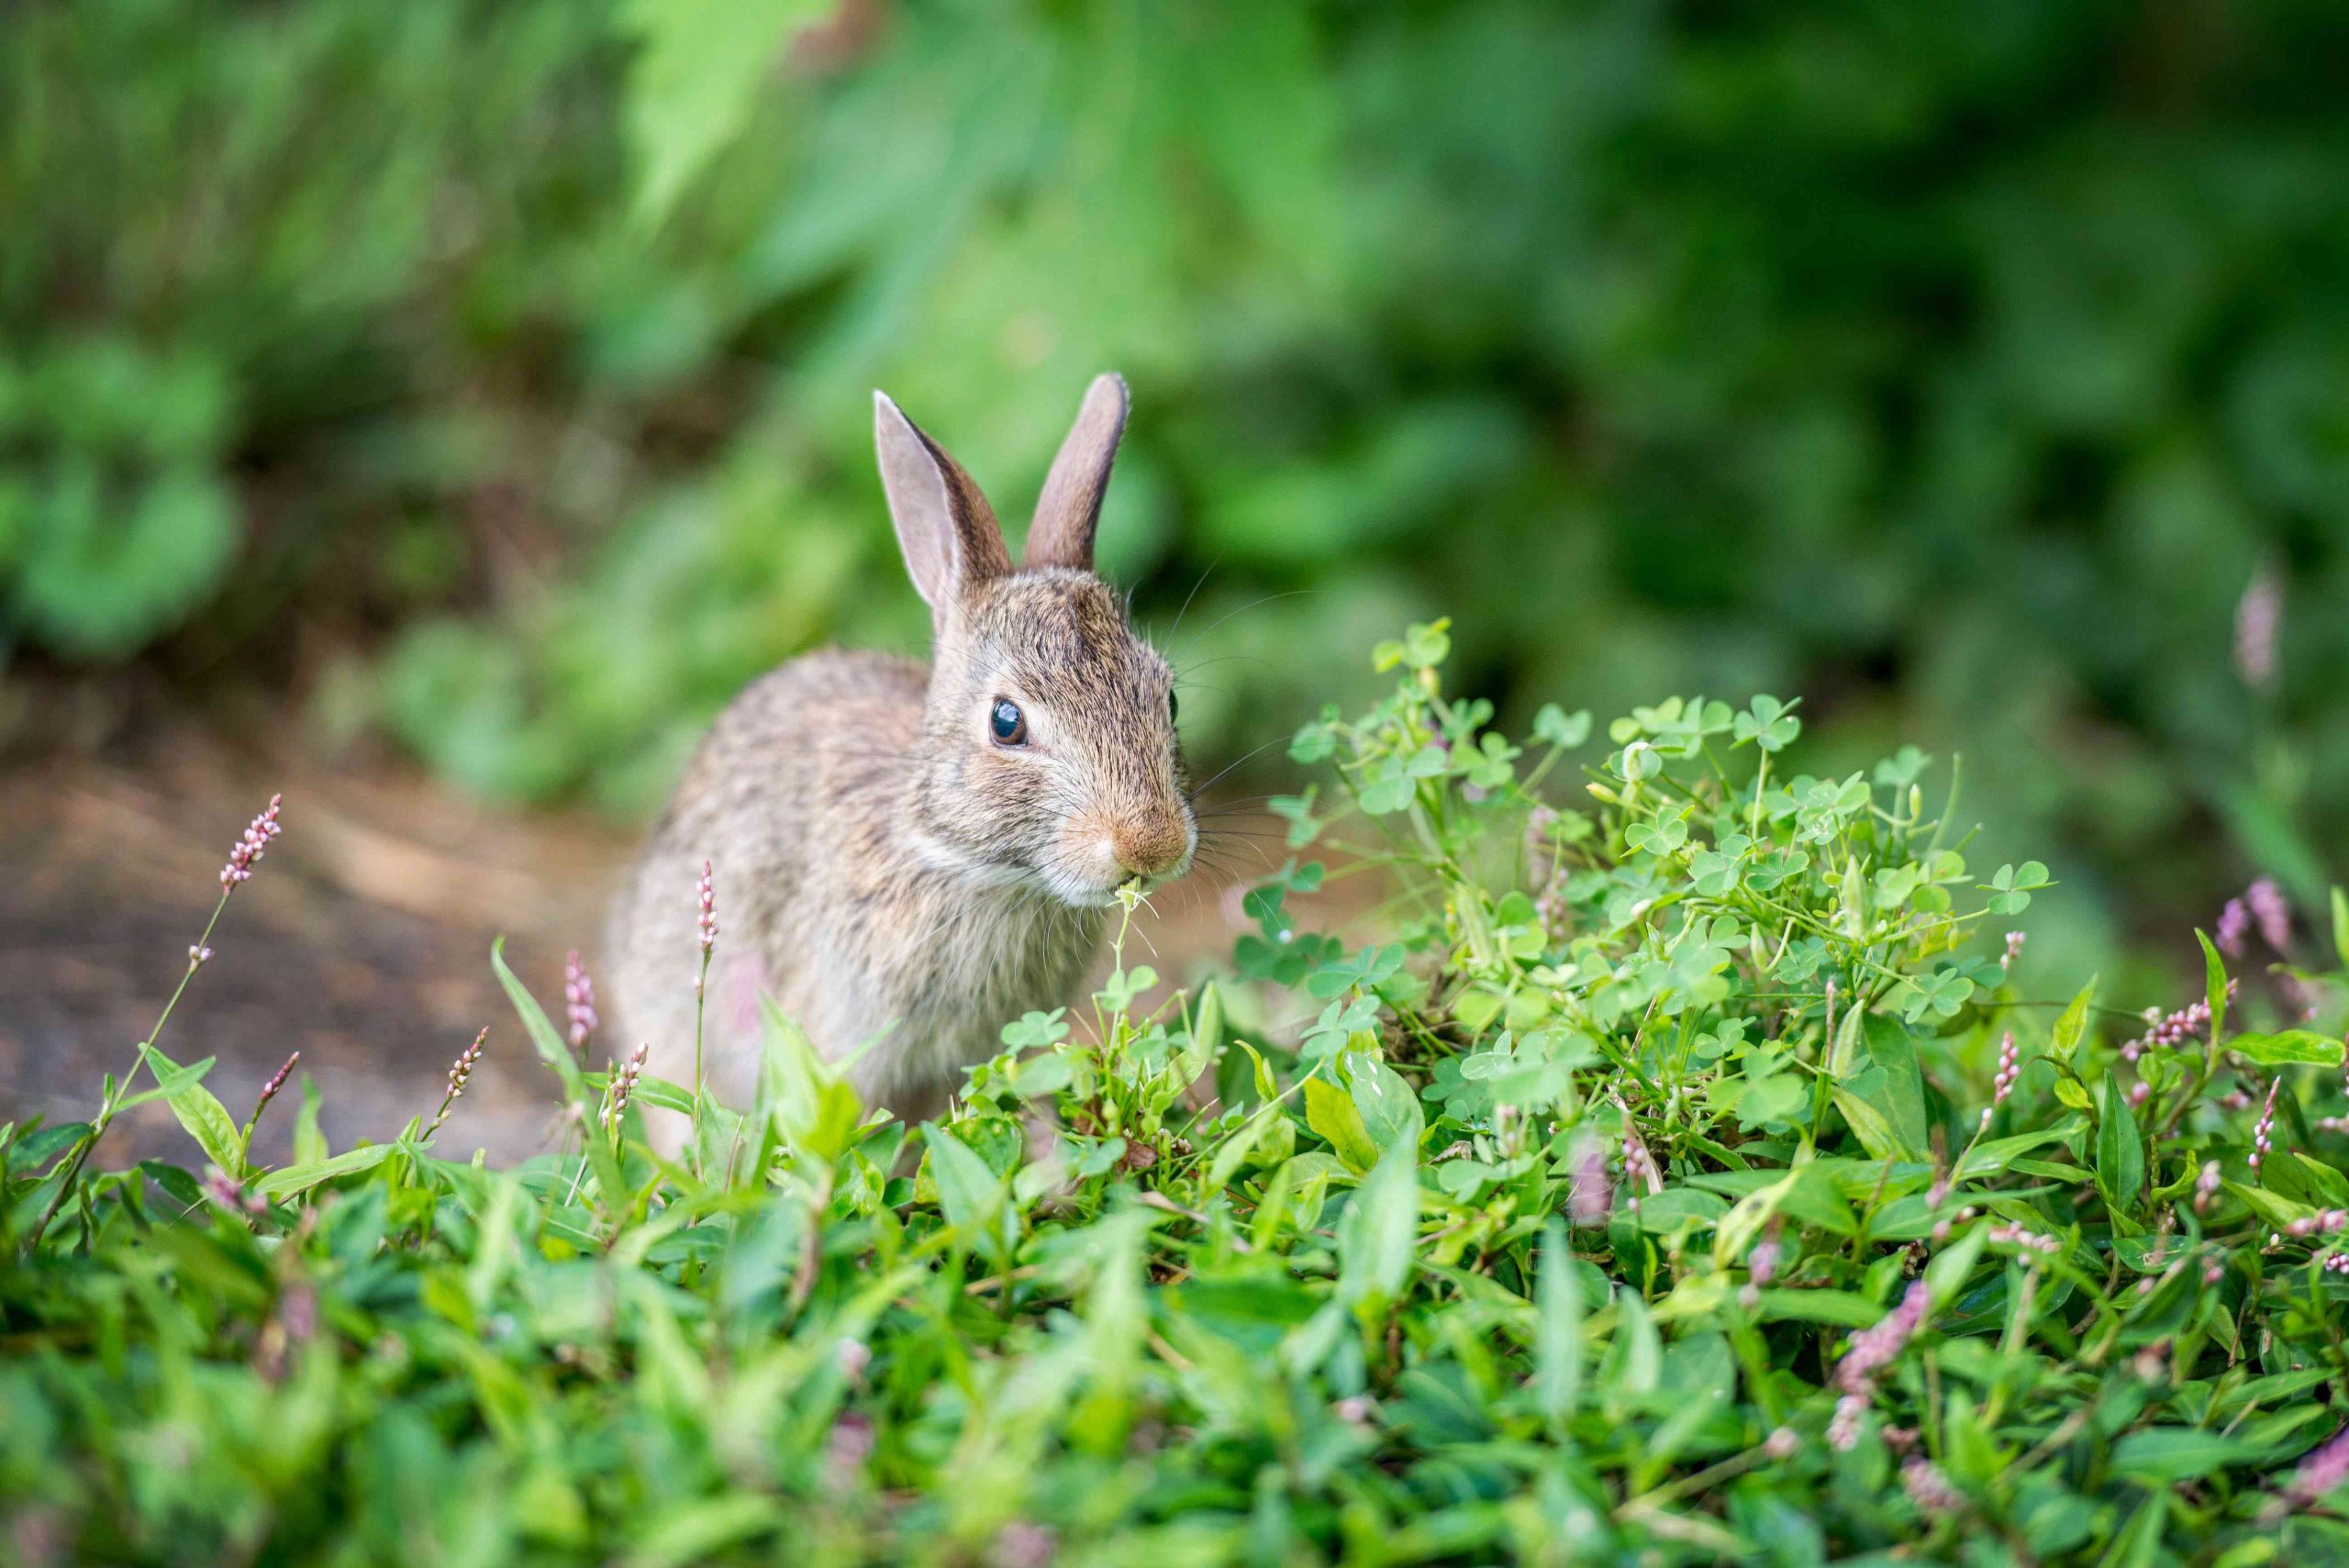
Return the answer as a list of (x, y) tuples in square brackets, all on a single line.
[(1075, 892)]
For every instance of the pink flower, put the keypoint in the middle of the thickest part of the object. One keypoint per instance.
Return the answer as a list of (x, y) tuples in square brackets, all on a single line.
[(2009, 1071), (708, 922), (2234, 923), (2020, 1237), (2014, 951), (579, 991), (1928, 1488), (461, 1072), (1844, 1428), (1020, 1544), (2163, 1032), (276, 1082), (1590, 1197), (2272, 910), (2324, 1468), (623, 1083), (247, 850), (1872, 1350), (2206, 1186), (2257, 615), (2260, 1145), (848, 1446)]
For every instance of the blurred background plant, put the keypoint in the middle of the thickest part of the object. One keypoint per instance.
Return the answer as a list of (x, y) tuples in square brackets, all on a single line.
[(493, 376)]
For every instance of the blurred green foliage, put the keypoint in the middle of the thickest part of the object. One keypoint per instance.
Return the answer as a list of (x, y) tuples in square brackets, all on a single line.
[(1961, 363)]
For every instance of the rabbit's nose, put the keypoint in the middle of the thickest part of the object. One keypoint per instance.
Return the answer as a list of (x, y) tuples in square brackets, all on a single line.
[(1150, 846)]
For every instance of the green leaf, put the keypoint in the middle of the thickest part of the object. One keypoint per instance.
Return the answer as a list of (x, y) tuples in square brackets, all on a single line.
[(698, 68), (1995, 1156), (1233, 1151), (2167, 1455), (309, 1143), (170, 1083), (293, 1179), (202, 1113), (1390, 1112), (1390, 793), (2287, 1048), (968, 1191), (2341, 925), (535, 1024), (1885, 1099), (2120, 1149), (1842, 1308), (2065, 1038), (1378, 1235), (1553, 725), (1330, 1113), (1946, 1275), (1205, 1041), (1557, 1343), (2214, 992)]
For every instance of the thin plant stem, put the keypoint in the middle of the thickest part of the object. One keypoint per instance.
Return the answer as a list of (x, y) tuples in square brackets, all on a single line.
[(701, 983), (121, 1088)]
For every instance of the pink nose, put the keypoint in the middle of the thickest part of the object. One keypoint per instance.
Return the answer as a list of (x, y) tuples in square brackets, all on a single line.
[(1151, 847)]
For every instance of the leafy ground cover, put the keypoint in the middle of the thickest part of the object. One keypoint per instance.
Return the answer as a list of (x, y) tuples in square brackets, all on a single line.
[(1680, 1180)]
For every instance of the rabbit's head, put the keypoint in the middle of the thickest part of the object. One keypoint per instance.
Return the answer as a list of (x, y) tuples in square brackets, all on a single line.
[(1049, 754)]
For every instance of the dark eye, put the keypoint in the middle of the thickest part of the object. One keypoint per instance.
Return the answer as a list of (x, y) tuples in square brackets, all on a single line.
[(1174, 707), (1007, 724)]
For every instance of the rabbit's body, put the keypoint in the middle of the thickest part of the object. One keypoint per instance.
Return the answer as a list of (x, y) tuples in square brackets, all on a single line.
[(889, 866)]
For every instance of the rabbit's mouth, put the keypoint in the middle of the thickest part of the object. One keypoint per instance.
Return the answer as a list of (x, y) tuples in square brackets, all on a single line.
[(1095, 858)]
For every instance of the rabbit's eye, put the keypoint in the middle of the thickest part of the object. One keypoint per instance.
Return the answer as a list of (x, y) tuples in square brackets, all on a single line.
[(1007, 724), (1173, 709)]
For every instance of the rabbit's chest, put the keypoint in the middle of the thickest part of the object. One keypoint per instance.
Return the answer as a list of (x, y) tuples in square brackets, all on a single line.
[(986, 968)]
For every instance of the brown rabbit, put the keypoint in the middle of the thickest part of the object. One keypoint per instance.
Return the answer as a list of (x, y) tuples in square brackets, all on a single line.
[(909, 855)]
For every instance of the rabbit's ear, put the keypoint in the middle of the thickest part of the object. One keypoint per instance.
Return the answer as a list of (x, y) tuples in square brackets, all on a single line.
[(944, 525), (1070, 507)]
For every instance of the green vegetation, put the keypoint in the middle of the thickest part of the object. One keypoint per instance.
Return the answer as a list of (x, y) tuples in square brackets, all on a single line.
[(1684, 1181), (1959, 364)]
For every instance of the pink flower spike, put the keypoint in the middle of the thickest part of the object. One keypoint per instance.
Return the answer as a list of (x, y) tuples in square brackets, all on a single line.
[(2010, 1070), (2235, 925), (2325, 1467), (1590, 1197), (247, 850), (277, 1081), (1928, 1488), (1874, 1348), (709, 911), (2272, 910), (579, 991), (623, 1084), (2260, 1134), (2257, 615)]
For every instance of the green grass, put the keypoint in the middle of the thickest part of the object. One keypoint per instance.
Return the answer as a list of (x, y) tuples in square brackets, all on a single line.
[(1645, 1195)]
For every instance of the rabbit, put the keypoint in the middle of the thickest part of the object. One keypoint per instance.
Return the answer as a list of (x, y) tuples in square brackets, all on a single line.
[(907, 856)]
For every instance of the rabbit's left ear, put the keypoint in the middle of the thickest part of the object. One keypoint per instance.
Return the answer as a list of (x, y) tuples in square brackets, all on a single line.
[(1070, 507)]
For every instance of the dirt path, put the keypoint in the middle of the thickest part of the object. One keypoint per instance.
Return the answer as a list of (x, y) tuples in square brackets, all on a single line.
[(363, 940)]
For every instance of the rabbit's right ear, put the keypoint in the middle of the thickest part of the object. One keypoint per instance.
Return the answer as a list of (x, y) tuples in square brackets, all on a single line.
[(944, 525)]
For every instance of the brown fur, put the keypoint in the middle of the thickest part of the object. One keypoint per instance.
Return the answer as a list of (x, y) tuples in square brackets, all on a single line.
[(884, 868)]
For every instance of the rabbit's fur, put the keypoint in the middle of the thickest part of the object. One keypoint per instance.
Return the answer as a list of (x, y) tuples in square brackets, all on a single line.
[(885, 867)]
